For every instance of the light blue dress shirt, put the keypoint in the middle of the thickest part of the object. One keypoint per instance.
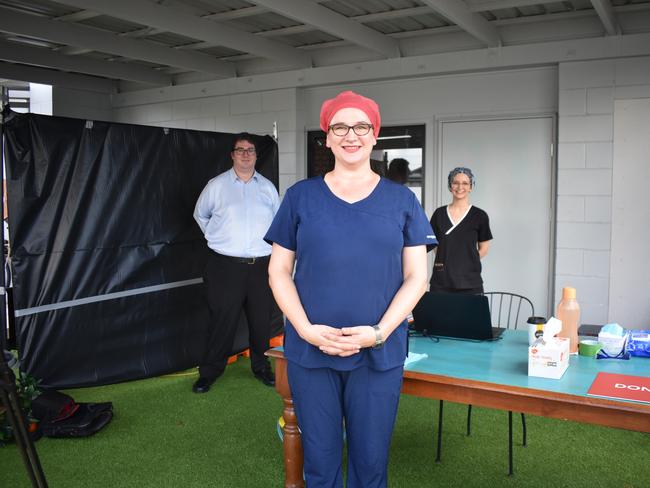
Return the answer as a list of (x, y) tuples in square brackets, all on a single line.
[(234, 215)]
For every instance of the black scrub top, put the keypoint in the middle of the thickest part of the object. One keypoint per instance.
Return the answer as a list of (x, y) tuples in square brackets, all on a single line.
[(458, 264)]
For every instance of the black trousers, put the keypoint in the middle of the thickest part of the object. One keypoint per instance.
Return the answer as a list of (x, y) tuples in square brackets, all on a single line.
[(234, 287)]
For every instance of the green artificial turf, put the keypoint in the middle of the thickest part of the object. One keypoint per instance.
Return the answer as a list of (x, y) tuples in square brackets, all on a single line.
[(163, 435)]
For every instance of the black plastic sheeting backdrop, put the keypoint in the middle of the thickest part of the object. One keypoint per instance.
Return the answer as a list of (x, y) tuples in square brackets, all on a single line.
[(98, 208)]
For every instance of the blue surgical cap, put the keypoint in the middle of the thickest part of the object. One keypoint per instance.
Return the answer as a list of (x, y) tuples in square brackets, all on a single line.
[(460, 170)]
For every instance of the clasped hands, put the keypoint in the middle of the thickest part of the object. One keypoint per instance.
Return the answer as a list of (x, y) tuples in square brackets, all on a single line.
[(343, 342)]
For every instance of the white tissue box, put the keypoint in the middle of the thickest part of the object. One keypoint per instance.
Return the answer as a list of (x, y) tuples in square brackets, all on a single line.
[(549, 360)]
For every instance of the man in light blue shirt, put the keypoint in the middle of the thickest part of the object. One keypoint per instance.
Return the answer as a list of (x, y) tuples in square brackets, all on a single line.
[(234, 211)]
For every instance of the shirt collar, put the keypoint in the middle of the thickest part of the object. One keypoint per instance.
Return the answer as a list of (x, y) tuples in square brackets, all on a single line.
[(234, 177)]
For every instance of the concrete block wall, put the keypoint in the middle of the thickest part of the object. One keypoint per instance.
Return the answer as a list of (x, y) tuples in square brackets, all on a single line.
[(587, 91), (254, 112), (81, 104)]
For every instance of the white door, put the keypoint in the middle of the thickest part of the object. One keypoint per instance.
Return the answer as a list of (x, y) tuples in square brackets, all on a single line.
[(513, 165)]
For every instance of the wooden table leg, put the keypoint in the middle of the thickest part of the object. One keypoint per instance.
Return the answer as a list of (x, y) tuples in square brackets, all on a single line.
[(293, 460)]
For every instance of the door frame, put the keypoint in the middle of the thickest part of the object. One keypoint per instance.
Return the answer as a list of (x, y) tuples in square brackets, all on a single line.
[(437, 173)]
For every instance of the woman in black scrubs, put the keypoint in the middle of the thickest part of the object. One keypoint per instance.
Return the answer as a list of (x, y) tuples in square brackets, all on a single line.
[(464, 235)]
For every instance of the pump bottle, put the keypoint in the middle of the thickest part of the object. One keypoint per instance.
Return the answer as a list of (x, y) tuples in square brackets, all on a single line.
[(568, 311)]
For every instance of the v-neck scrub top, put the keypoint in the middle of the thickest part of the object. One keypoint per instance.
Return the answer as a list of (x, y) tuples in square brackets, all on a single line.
[(348, 263), (458, 264)]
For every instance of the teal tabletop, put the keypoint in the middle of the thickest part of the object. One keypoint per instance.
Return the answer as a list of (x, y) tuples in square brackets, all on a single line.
[(505, 362)]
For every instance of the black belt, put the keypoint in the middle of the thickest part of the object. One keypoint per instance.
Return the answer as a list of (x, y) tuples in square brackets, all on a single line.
[(243, 260)]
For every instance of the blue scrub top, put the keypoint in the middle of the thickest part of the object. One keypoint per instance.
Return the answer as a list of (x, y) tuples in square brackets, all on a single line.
[(348, 263)]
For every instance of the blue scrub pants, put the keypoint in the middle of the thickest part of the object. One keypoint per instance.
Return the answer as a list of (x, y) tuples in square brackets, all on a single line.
[(367, 400)]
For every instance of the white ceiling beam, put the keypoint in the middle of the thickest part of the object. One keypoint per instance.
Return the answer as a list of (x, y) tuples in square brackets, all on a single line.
[(77, 16), (392, 14), (485, 5), (145, 31), (287, 31), (56, 78), (73, 50), (301, 29), (471, 22), (161, 17), (236, 14), (606, 14), (46, 58), (377, 17), (103, 41), (543, 54), (334, 23), (221, 16)]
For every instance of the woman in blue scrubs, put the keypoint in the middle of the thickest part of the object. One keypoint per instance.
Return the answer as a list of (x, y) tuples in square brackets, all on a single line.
[(358, 245)]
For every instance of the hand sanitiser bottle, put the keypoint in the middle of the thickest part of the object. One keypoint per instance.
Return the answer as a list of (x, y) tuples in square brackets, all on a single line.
[(568, 311)]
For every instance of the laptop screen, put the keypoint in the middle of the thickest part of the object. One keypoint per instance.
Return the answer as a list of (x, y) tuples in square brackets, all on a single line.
[(453, 315)]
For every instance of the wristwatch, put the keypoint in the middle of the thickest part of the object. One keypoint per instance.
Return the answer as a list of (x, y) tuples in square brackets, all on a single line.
[(379, 341)]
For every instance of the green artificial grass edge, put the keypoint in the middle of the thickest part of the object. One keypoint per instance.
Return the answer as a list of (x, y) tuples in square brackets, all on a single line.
[(163, 435)]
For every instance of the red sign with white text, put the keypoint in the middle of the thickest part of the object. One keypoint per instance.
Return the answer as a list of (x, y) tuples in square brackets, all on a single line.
[(621, 387)]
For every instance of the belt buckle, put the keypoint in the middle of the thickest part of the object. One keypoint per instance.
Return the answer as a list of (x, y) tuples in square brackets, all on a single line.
[(251, 260)]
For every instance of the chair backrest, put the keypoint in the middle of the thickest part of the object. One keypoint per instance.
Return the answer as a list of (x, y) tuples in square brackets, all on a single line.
[(509, 310)]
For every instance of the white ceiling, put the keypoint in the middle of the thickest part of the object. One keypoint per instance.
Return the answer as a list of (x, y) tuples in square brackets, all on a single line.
[(131, 44)]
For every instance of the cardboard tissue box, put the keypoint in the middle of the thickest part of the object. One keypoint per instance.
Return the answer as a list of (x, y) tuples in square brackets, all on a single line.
[(548, 357)]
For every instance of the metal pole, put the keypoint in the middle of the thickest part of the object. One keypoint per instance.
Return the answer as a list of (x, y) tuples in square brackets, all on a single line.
[(3, 293)]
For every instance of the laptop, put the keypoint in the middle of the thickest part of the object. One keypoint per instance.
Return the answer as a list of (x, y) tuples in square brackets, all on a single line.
[(455, 316)]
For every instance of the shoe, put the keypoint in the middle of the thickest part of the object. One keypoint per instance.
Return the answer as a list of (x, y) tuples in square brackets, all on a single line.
[(266, 376), (202, 385)]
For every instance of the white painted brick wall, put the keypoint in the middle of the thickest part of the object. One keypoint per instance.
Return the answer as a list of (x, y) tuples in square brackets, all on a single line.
[(632, 71), (276, 100), (584, 182), (598, 154), (598, 209), (600, 100), (632, 91), (570, 261), (247, 103), (573, 102), (584, 191), (287, 180), (81, 104), (571, 155), (206, 124), (588, 128), (596, 263), (171, 124), (287, 163), (201, 108), (583, 235), (570, 208), (587, 74)]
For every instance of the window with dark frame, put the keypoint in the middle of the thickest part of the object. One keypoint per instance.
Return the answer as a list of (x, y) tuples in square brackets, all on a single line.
[(404, 142)]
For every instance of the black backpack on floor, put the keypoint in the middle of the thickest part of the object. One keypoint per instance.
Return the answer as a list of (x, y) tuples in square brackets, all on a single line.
[(60, 416)]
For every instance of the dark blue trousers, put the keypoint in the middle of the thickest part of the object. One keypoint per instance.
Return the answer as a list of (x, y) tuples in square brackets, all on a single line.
[(365, 402)]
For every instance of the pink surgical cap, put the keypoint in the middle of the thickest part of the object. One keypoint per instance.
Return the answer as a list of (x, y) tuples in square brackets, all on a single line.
[(349, 99)]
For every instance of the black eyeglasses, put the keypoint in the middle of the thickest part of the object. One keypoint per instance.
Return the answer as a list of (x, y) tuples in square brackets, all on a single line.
[(240, 151), (342, 129)]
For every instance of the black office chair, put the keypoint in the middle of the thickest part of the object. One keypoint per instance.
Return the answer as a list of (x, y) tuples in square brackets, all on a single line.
[(508, 311)]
